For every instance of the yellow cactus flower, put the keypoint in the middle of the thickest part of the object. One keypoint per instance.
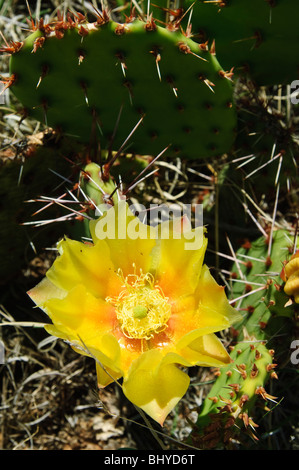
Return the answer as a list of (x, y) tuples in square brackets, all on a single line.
[(139, 303)]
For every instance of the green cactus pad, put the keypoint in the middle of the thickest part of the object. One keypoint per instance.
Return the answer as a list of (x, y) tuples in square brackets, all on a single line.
[(258, 287), (227, 410), (97, 81), (257, 37)]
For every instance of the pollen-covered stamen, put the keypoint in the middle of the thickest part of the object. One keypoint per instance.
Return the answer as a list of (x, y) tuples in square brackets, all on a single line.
[(141, 307)]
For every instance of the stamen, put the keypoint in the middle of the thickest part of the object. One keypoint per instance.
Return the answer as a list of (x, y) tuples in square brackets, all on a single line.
[(141, 307)]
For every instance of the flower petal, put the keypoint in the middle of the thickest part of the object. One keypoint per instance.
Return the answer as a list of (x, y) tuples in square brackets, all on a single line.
[(206, 351), (81, 263), (154, 385), (44, 290), (210, 295), (87, 323), (205, 312), (130, 241), (106, 375), (81, 312), (177, 266)]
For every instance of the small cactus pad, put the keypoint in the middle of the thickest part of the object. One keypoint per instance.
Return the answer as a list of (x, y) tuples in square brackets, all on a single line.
[(104, 79), (258, 37)]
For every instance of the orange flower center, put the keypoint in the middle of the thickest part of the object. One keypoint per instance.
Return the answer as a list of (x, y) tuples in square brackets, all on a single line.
[(141, 307)]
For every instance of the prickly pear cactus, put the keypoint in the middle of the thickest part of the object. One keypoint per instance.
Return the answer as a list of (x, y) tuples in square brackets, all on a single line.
[(258, 288), (257, 37), (226, 412), (98, 192), (107, 81)]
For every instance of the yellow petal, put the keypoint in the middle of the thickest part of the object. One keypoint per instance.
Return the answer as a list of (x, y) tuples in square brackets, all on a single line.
[(81, 310), (206, 351), (177, 267), (44, 290), (106, 375), (205, 312), (87, 323), (292, 285), (155, 386), (130, 241), (106, 354), (292, 266), (210, 296), (86, 264)]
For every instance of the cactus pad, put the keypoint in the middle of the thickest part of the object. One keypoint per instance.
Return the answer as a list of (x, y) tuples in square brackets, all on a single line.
[(226, 411), (258, 37), (102, 80), (259, 286)]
